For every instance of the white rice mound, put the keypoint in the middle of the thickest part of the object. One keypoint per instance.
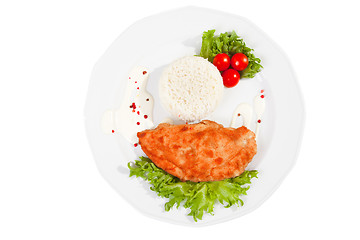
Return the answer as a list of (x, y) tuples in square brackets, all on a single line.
[(191, 88)]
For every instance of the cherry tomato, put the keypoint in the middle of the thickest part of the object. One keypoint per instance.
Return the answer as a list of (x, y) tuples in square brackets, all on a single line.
[(222, 61), (230, 77), (239, 61)]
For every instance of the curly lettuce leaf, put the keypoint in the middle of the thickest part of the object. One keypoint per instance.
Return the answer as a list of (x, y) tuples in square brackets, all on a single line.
[(207, 40), (229, 43), (198, 197)]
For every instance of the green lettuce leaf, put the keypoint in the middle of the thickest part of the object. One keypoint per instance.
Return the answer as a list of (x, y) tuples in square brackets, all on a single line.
[(229, 43), (207, 40), (198, 197)]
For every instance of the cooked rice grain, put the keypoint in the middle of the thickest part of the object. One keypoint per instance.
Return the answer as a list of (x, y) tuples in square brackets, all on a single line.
[(191, 88)]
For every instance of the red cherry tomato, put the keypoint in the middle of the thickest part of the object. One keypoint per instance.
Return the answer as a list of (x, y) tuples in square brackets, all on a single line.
[(239, 61), (230, 77), (222, 61)]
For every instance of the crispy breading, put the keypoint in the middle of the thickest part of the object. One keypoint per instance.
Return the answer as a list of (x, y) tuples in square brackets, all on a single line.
[(200, 152)]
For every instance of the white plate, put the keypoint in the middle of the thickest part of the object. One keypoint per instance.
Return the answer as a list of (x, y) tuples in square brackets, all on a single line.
[(155, 42)]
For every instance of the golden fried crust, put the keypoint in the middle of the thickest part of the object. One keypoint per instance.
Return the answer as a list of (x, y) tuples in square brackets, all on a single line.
[(200, 152)]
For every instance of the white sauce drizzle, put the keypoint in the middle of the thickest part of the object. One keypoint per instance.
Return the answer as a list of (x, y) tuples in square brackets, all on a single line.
[(245, 111), (136, 111), (259, 108)]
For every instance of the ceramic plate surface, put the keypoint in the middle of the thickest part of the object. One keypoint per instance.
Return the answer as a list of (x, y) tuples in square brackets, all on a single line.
[(155, 42)]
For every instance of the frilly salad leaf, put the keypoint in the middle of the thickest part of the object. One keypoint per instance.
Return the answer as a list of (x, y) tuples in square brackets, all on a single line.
[(229, 43), (198, 197)]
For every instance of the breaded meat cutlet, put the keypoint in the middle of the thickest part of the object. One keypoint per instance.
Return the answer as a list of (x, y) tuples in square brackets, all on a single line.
[(200, 152)]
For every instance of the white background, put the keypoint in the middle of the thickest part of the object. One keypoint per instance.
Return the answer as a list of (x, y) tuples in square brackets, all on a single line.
[(49, 185)]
